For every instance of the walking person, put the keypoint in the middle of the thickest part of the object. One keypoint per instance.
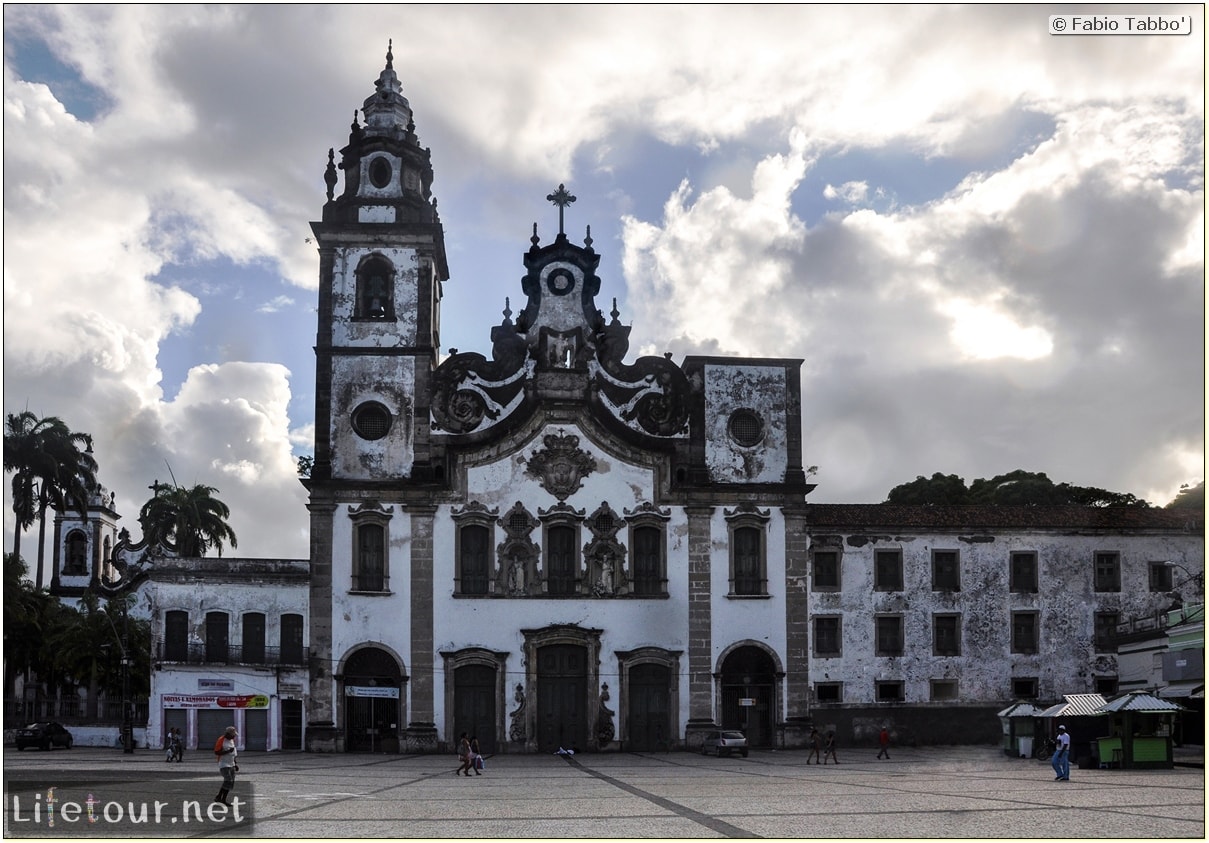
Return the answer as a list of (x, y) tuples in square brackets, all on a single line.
[(816, 746), (476, 758), (226, 753), (464, 756), (1061, 760), (829, 749), (884, 740)]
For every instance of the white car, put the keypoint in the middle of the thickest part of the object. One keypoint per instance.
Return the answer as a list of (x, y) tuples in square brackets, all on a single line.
[(724, 743)]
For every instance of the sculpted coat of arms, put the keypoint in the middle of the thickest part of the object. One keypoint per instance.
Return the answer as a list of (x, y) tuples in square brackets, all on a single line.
[(562, 465)]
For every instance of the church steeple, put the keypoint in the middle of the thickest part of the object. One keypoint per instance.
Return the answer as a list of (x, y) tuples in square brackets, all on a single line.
[(387, 112), (382, 267), (387, 174)]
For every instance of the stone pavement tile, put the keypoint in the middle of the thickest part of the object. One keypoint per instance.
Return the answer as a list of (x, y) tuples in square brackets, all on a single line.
[(539, 828), (418, 808)]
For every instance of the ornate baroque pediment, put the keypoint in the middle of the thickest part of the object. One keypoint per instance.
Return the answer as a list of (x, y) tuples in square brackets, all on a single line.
[(562, 465)]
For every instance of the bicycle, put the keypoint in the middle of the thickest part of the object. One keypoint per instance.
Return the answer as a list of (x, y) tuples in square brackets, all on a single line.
[(1045, 749)]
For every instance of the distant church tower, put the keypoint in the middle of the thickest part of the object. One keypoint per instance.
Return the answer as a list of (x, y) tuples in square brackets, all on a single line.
[(381, 266), (83, 546)]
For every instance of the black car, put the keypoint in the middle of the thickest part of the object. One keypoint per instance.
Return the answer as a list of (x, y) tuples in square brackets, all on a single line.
[(44, 735)]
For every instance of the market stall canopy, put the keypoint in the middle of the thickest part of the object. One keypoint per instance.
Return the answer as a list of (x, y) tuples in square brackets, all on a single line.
[(1139, 701), (1020, 709), (1076, 705), (1184, 690)]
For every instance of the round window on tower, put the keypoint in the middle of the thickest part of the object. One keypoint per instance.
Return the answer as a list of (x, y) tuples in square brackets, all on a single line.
[(371, 420), (746, 427), (380, 172)]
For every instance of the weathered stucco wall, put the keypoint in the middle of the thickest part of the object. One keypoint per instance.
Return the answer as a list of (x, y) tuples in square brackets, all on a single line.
[(389, 381), (399, 332), (761, 389), (262, 593), (1066, 660)]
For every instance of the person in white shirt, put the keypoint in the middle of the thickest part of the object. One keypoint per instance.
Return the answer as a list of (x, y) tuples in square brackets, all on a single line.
[(1061, 760), (226, 753)]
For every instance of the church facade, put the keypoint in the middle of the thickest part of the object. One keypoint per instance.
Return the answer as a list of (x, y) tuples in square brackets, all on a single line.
[(541, 545), (549, 546)]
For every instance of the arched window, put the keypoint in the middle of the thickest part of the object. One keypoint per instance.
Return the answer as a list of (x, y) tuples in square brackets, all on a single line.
[(292, 649), (474, 551), (748, 528), (217, 637), (370, 563), (371, 544), (76, 563), (561, 559), (253, 638), (176, 636), (375, 289), (747, 554), (648, 560)]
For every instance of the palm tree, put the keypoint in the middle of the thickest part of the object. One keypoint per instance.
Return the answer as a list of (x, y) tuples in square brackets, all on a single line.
[(190, 521), (50, 469), (76, 648), (22, 446), (25, 613)]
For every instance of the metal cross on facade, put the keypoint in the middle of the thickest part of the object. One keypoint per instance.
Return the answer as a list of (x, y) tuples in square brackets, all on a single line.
[(562, 199)]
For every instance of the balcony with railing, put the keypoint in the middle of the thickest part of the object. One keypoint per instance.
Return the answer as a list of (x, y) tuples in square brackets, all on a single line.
[(71, 710), (230, 654)]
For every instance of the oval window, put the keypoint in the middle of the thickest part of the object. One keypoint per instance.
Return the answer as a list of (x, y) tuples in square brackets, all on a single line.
[(746, 427), (380, 172), (371, 420)]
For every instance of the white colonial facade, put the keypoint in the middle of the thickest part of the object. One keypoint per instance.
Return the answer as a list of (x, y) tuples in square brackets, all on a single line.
[(229, 649)]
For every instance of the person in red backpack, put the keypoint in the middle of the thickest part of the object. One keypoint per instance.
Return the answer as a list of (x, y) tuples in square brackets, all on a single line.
[(226, 753), (884, 741)]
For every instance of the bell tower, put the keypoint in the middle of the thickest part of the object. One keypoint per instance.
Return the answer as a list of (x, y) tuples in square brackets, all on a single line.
[(381, 266)]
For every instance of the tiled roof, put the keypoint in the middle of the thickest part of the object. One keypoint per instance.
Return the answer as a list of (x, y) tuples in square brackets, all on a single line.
[(1138, 701), (859, 516)]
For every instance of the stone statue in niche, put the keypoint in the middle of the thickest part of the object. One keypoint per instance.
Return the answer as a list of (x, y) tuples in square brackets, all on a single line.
[(516, 575), (604, 720), (516, 729), (604, 584)]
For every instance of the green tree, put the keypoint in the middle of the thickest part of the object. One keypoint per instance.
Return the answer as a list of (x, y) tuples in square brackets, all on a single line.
[(937, 489), (188, 520), (1190, 497), (1016, 488), (52, 466), (77, 645), (25, 614)]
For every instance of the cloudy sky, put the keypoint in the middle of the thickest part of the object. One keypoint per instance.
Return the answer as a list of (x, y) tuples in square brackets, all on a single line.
[(985, 242)]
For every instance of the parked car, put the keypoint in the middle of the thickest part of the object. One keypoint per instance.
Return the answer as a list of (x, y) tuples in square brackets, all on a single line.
[(45, 735), (724, 743)]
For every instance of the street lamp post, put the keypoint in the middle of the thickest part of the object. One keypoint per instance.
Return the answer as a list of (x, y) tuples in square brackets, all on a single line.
[(127, 721), (1197, 579), (124, 644)]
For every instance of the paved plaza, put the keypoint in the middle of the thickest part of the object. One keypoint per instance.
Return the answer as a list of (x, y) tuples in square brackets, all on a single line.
[(925, 792)]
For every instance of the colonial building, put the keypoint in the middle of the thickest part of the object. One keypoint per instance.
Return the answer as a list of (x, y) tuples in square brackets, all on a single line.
[(229, 649), (552, 545), (924, 617)]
